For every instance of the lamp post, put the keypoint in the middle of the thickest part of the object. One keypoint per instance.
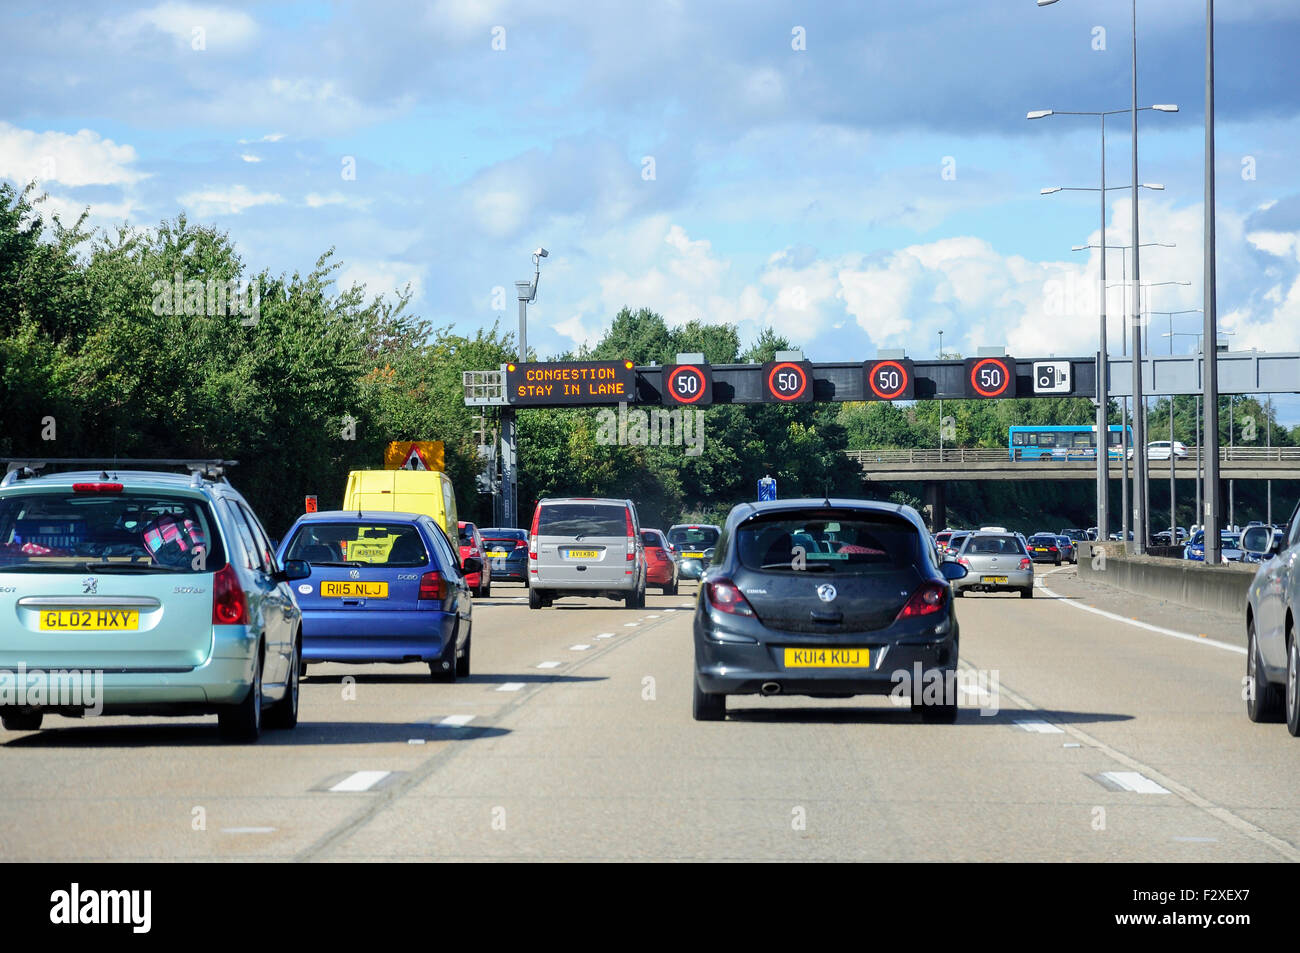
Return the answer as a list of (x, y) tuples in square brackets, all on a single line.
[(526, 292), (1173, 462), (1200, 430), (1210, 381), (941, 402)]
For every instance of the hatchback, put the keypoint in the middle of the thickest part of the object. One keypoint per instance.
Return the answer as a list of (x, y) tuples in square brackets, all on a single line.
[(583, 546), (507, 549), (386, 587), (694, 542), (1044, 548), (162, 587), (998, 562), (660, 560), (472, 547), (779, 614)]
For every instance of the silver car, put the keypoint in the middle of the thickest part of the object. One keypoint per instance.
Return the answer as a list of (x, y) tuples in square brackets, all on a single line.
[(996, 562), (583, 546), (1272, 605)]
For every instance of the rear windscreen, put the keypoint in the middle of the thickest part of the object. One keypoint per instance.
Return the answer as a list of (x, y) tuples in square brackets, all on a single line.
[(693, 537), (854, 542), (582, 519), (466, 536), (361, 544), (651, 539), (993, 546), (108, 531)]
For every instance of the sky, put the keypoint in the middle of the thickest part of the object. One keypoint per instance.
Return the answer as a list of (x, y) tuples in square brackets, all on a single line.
[(855, 175)]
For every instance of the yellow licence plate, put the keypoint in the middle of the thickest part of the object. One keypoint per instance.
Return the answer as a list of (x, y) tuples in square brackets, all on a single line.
[(828, 658), (583, 554), (995, 580), (89, 620), (693, 555), (354, 590)]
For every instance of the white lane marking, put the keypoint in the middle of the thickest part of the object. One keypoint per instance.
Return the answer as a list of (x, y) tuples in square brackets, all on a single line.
[(361, 781), (510, 687), (548, 664), (248, 830), (629, 625), (1134, 781), (1174, 633), (1197, 840), (579, 648), (1038, 726), (415, 741), (457, 721), (686, 605), (1072, 744), (605, 635), (652, 617)]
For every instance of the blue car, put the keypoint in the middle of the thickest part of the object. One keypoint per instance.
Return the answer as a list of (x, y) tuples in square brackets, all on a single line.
[(1229, 547), (385, 587)]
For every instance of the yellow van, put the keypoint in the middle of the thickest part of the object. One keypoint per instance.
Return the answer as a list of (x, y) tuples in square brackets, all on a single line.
[(406, 491)]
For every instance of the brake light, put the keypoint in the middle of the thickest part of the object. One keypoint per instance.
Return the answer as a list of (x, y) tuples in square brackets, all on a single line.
[(927, 600), (432, 586), (1026, 563), (631, 536), (520, 544), (96, 488), (229, 604), (962, 560), (724, 596), (532, 533)]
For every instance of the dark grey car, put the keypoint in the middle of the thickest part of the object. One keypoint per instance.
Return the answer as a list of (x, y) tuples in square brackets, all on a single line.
[(828, 598), (1272, 607)]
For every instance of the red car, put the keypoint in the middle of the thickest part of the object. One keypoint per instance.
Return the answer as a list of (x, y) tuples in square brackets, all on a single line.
[(471, 544), (661, 561)]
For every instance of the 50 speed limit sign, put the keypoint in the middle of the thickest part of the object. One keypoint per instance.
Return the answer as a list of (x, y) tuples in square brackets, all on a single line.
[(990, 377), (890, 380), (787, 382), (687, 384)]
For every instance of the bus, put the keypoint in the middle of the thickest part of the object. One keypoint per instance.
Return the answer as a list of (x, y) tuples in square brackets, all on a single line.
[(1051, 442)]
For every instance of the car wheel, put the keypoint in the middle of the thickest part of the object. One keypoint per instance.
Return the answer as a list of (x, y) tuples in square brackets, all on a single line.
[(462, 663), (671, 588), (706, 706), (485, 591), (629, 600), (958, 593), (444, 668), (22, 719), (284, 713), (1292, 688), (243, 722), (534, 597), (1027, 593), (1263, 700), (302, 670)]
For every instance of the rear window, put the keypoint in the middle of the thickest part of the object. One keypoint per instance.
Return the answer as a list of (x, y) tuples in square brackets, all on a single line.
[(582, 519), (851, 542), (138, 531), (993, 546), (358, 544), (652, 539), (467, 535), (693, 537)]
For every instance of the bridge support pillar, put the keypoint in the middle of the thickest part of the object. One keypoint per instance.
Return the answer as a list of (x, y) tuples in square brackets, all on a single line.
[(936, 505)]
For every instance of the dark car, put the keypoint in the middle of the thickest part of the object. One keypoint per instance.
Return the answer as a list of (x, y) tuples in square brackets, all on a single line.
[(828, 598), (1068, 551), (694, 544), (661, 561), (507, 549), (1044, 548)]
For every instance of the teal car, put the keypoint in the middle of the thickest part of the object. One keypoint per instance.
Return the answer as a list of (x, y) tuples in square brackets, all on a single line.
[(143, 593)]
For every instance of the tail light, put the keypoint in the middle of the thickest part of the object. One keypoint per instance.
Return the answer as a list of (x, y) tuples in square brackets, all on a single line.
[(725, 596), (1051, 549), (532, 534), (927, 600), (631, 536), (433, 586), (1026, 563), (520, 544), (229, 604), (97, 488), (962, 560)]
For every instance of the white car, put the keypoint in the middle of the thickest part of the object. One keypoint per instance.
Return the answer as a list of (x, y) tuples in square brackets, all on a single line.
[(1159, 450)]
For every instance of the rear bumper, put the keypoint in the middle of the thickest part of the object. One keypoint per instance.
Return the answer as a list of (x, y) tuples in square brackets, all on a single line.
[(1016, 579), (375, 636), (593, 586)]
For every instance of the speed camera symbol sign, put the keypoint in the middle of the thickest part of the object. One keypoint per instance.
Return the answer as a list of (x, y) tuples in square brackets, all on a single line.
[(1052, 377)]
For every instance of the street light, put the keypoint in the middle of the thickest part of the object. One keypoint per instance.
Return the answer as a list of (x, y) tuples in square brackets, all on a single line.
[(526, 292), (1173, 513), (941, 401)]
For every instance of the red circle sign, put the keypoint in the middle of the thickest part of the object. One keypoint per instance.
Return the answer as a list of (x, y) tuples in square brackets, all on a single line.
[(689, 371), (771, 387), (993, 362), (902, 380)]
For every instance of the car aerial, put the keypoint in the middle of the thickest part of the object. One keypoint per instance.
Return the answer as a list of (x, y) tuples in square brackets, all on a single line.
[(694, 542), (998, 562), (1044, 548), (164, 585), (661, 561), (1159, 450), (508, 551), (779, 613), (1272, 608), (1068, 552), (386, 587), (472, 546), (1229, 548), (584, 546)]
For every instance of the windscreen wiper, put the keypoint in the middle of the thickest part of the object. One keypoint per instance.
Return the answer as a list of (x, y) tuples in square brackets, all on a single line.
[(145, 567)]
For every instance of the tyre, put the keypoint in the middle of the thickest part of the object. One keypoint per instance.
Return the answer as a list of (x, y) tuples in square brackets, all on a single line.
[(444, 668), (671, 588), (284, 713), (1293, 688), (243, 722), (708, 707), (958, 593), (629, 599), (1027, 593), (484, 591), (22, 719), (1263, 700), (302, 670), (462, 662), (534, 597)]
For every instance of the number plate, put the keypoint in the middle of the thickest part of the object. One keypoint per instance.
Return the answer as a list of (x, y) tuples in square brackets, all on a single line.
[(89, 620), (496, 552), (995, 580), (583, 554), (354, 590), (827, 658), (693, 555)]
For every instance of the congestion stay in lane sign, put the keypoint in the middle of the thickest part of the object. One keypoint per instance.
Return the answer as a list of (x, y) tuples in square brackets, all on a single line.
[(990, 377), (571, 382)]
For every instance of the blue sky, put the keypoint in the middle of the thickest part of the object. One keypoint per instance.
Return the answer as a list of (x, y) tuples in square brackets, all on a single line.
[(859, 175)]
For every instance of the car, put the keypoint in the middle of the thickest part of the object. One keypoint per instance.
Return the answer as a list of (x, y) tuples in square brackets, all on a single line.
[(1068, 552), (1229, 548), (507, 550), (472, 546), (998, 562), (954, 544), (1044, 548), (778, 615), (1272, 608), (1159, 450), (661, 561), (1077, 535), (1092, 533), (941, 539), (163, 584), (386, 587), (586, 546), (695, 542)]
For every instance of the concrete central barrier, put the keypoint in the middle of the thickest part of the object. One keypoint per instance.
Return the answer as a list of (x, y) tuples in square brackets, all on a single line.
[(1220, 588)]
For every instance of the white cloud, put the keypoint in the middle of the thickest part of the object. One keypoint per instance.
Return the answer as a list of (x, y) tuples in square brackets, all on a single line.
[(269, 137), (82, 159), (247, 157), (228, 201), (385, 278), (222, 27), (316, 200)]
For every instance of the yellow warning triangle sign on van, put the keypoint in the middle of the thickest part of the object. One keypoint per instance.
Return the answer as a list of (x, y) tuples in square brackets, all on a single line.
[(414, 455)]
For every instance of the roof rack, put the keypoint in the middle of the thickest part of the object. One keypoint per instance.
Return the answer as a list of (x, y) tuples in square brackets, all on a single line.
[(22, 468)]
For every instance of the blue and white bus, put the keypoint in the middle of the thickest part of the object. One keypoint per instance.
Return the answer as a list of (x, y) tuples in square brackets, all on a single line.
[(1051, 442)]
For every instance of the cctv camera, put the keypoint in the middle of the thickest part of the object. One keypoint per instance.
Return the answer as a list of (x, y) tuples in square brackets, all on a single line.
[(540, 253)]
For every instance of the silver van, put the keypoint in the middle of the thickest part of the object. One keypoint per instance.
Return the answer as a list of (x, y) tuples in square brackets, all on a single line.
[(583, 546)]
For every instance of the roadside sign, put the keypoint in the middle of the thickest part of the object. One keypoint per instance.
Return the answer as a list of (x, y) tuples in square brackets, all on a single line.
[(766, 489), (890, 379), (310, 505), (557, 383), (990, 377), (787, 382), (414, 455), (687, 384), (1052, 377)]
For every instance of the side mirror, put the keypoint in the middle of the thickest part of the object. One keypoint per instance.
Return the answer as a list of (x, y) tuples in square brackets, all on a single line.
[(952, 569), (293, 569), (472, 564), (1257, 540)]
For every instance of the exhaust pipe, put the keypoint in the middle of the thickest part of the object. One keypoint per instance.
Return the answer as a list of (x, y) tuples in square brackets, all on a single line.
[(771, 688)]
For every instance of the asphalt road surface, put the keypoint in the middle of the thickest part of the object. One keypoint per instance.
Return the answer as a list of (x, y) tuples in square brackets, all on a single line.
[(1094, 739)]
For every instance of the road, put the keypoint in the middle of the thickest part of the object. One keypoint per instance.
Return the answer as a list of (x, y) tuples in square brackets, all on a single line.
[(596, 757)]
